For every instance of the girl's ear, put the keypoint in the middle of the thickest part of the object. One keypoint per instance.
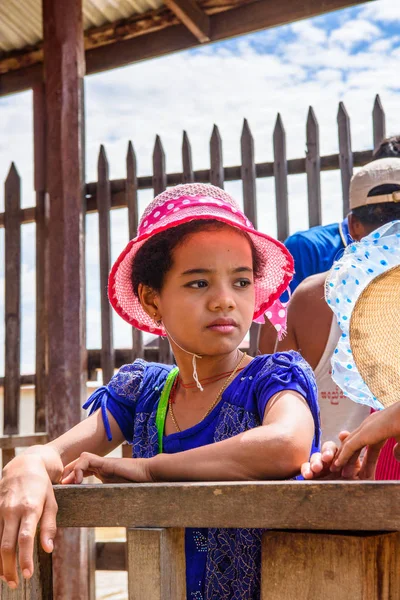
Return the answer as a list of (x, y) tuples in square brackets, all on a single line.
[(149, 299)]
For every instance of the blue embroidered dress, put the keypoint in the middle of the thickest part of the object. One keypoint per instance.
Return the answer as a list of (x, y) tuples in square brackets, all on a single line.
[(221, 564)]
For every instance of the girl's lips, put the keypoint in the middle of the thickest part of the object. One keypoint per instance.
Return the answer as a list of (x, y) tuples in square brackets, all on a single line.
[(227, 328)]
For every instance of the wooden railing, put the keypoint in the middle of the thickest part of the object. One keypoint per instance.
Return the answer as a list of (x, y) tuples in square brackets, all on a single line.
[(323, 540)]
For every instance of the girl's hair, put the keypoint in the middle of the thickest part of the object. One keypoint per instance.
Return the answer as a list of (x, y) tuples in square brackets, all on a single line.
[(154, 259)]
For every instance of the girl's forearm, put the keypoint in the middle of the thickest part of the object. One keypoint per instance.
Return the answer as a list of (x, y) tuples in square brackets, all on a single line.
[(38, 457), (266, 452)]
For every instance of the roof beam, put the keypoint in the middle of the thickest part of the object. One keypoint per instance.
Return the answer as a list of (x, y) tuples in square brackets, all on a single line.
[(170, 37), (192, 16), (254, 16)]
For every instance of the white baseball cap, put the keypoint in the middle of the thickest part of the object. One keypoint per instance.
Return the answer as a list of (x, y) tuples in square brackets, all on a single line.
[(385, 171)]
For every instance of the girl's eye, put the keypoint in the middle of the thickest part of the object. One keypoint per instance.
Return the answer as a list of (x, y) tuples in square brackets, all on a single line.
[(201, 283), (242, 283)]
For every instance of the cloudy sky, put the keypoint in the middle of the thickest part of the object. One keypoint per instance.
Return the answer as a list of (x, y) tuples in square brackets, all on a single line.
[(350, 56)]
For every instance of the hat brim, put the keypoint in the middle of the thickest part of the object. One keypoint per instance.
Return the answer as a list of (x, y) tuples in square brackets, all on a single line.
[(375, 336), (276, 274)]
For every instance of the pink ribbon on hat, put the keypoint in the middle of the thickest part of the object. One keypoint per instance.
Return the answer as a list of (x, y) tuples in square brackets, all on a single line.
[(277, 315)]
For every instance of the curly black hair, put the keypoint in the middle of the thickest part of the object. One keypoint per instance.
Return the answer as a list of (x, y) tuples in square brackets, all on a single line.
[(154, 259)]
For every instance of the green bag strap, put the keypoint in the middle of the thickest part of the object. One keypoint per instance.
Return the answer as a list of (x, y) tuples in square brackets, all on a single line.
[(163, 406)]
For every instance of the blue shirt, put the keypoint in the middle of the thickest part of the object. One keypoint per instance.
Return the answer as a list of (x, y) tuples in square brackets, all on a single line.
[(220, 563), (315, 250)]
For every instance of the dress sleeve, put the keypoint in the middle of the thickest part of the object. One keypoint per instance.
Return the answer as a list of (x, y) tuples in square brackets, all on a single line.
[(288, 371), (119, 398)]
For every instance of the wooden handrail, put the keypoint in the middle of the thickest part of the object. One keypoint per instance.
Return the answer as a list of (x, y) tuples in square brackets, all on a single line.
[(330, 505)]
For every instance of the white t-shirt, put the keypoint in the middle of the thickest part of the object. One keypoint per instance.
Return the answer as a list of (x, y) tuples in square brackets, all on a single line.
[(338, 413)]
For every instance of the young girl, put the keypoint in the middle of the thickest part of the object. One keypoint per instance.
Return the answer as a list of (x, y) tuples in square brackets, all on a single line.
[(199, 273)]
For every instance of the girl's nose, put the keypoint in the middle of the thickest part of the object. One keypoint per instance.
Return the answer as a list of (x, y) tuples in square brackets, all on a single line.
[(222, 300)]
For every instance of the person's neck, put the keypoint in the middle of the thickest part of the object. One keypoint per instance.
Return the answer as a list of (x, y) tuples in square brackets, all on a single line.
[(207, 366)]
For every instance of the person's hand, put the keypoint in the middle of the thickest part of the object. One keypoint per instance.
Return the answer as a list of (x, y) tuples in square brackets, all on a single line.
[(26, 497), (108, 470), (321, 464), (373, 432)]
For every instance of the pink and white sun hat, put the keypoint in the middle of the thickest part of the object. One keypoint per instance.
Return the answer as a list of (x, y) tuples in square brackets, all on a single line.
[(179, 205)]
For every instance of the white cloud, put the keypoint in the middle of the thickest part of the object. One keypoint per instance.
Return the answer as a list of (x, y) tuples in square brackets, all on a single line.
[(353, 32), (386, 11)]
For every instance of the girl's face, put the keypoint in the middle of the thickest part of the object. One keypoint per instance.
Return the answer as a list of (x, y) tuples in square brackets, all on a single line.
[(207, 300)]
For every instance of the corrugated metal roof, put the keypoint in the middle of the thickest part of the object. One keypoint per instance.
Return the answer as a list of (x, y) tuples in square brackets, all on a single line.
[(21, 20)]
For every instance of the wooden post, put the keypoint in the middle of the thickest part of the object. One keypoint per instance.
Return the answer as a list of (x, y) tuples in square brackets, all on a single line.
[(64, 69), (217, 165), (188, 176), (313, 170), (104, 207), (12, 197), (345, 154), (281, 184), (379, 122), (159, 185), (330, 566), (39, 124), (248, 173), (156, 564), (131, 189)]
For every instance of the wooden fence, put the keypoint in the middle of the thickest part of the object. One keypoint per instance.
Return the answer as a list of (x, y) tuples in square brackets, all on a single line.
[(334, 535), (106, 194)]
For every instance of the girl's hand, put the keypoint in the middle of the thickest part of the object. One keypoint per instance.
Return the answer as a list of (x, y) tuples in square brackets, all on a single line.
[(26, 497), (373, 432), (108, 470)]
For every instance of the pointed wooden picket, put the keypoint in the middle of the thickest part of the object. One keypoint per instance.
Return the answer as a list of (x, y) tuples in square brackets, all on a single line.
[(159, 185), (345, 154), (188, 175), (131, 194), (379, 122), (217, 168), (281, 183), (12, 201), (104, 207), (313, 170), (248, 171)]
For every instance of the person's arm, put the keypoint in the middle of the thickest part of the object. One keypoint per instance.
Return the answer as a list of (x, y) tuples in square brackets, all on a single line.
[(26, 493), (275, 450)]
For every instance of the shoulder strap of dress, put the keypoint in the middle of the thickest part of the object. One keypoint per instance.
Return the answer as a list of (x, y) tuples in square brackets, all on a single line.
[(163, 406)]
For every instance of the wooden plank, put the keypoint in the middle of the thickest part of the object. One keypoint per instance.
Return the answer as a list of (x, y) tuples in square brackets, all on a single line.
[(187, 174), (22, 441), (111, 556), (313, 170), (249, 17), (104, 206), (64, 68), (192, 17), (216, 160), (281, 184), (323, 565), (42, 215), (378, 122), (12, 202), (156, 564), (248, 176), (271, 505), (131, 194), (40, 586), (345, 154), (159, 185)]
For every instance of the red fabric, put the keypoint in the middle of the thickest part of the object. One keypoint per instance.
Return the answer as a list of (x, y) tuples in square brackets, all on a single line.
[(387, 467)]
